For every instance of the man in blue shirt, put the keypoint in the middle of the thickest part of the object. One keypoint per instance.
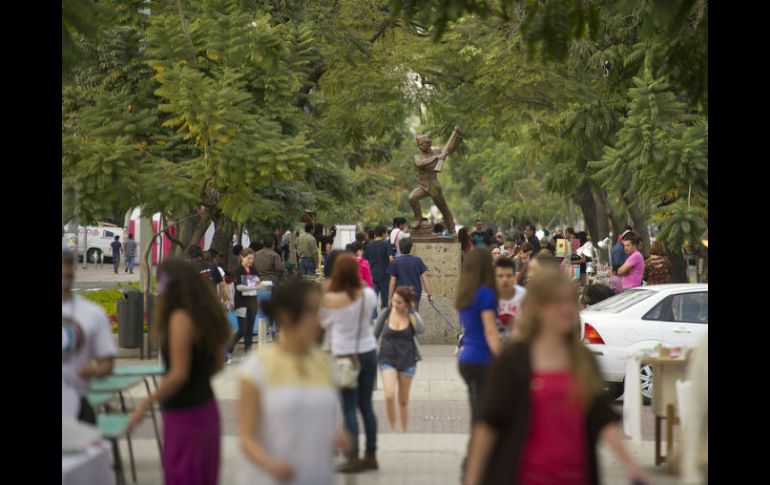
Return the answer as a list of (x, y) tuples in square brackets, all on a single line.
[(618, 253), (377, 252), (117, 248), (408, 270)]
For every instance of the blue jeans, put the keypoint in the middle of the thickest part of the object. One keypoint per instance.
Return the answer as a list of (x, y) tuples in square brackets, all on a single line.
[(307, 266), (116, 262), (130, 261), (360, 399)]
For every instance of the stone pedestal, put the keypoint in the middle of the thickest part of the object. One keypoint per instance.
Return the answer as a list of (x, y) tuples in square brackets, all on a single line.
[(442, 258)]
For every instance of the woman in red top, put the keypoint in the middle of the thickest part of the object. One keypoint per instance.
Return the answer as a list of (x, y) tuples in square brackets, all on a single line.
[(363, 265), (544, 410)]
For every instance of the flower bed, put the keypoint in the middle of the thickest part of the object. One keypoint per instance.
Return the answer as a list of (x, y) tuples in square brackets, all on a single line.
[(107, 299)]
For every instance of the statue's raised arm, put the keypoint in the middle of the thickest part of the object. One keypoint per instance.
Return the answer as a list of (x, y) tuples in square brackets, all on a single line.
[(451, 145)]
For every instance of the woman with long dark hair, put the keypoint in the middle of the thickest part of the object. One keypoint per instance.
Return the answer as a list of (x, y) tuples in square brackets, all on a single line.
[(346, 312), (245, 301), (476, 301), (191, 330), (296, 445), (397, 329), (544, 408)]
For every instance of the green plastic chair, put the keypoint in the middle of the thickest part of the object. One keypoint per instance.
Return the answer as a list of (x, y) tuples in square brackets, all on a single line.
[(98, 399)]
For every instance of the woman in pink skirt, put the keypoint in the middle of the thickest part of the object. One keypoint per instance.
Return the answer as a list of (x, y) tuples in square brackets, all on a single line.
[(192, 331)]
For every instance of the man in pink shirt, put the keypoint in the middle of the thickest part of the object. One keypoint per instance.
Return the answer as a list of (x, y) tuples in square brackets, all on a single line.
[(633, 269)]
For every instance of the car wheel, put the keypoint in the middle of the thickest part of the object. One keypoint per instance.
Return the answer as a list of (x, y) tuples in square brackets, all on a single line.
[(645, 374), (613, 390), (94, 255)]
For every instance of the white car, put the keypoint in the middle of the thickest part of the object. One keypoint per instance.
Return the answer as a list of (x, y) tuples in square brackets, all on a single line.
[(675, 315)]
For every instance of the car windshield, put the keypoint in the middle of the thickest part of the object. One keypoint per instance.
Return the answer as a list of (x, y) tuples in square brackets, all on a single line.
[(621, 301)]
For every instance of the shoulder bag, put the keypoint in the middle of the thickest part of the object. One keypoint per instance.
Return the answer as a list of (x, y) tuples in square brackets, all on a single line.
[(345, 368)]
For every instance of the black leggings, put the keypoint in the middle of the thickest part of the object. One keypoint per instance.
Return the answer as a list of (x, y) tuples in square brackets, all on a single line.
[(474, 376), (245, 330)]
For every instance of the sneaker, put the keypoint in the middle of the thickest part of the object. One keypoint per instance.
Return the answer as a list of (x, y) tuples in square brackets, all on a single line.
[(228, 358)]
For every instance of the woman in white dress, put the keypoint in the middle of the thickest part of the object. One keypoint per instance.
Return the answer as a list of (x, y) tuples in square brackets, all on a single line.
[(288, 404)]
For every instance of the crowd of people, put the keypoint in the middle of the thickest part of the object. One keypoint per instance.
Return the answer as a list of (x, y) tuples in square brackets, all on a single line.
[(536, 403)]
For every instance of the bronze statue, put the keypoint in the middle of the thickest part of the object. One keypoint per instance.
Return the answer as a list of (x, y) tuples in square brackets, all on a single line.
[(429, 163)]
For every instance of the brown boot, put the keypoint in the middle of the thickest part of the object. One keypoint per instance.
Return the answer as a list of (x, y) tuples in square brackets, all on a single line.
[(370, 461), (353, 465)]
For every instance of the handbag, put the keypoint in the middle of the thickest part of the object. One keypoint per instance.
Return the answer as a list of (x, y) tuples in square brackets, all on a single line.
[(345, 368)]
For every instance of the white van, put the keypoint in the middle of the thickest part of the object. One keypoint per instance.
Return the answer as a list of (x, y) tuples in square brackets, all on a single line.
[(99, 239)]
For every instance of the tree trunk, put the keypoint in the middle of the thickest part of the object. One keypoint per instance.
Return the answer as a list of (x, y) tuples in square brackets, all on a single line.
[(585, 200), (616, 223), (678, 267), (199, 230), (223, 233), (570, 214), (183, 235), (639, 221), (602, 214)]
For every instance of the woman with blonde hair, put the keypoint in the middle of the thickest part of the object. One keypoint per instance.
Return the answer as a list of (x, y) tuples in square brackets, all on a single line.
[(544, 410)]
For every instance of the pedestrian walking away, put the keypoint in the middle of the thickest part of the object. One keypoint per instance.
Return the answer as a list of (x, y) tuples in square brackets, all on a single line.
[(346, 310), (129, 250), (117, 248), (408, 270)]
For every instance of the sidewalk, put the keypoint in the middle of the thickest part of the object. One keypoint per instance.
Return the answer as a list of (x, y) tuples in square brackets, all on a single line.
[(430, 453), (96, 277)]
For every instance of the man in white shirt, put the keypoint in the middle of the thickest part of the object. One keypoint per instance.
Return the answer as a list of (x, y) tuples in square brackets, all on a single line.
[(398, 233), (88, 348), (510, 296)]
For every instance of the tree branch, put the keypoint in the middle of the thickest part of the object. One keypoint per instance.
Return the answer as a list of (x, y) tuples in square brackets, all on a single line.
[(320, 68)]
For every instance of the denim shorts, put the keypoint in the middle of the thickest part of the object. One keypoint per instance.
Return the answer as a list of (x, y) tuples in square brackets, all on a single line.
[(408, 372)]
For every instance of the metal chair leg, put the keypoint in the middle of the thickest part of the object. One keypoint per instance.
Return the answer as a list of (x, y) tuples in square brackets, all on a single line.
[(154, 420), (128, 438), (120, 478), (131, 458)]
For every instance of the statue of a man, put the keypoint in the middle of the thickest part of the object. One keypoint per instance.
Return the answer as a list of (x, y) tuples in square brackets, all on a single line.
[(430, 161)]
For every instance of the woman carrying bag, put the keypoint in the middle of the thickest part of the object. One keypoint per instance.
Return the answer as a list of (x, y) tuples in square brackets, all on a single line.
[(397, 329), (346, 310)]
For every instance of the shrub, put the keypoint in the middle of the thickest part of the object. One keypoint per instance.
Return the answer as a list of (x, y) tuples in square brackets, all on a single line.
[(107, 299)]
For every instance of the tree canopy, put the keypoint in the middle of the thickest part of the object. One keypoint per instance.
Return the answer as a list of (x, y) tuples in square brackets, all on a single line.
[(252, 112)]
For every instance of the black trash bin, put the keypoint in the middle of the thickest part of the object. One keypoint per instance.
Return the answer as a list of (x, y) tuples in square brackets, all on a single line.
[(131, 320)]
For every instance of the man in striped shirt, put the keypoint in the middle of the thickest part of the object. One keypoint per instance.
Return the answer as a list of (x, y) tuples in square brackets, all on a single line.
[(129, 250)]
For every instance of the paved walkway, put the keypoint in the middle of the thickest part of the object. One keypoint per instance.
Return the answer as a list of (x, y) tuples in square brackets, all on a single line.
[(430, 453), (96, 277)]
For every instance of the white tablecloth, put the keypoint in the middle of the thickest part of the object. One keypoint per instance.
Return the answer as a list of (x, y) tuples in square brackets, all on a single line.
[(632, 399), (90, 467)]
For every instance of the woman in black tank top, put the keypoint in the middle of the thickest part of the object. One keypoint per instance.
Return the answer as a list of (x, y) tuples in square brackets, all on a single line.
[(397, 329), (192, 331)]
